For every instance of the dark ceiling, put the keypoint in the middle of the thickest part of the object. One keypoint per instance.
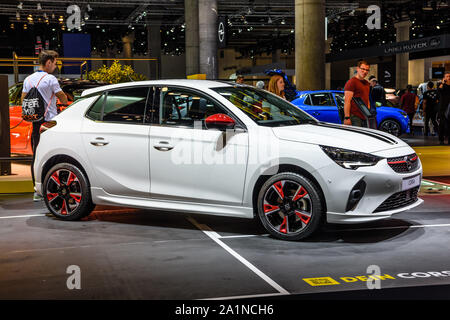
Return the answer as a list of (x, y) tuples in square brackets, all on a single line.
[(254, 26)]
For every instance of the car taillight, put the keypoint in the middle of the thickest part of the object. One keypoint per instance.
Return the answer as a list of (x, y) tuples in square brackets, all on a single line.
[(47, 125)]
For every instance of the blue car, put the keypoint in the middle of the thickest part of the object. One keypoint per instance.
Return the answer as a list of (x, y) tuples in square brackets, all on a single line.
[(328, 106)]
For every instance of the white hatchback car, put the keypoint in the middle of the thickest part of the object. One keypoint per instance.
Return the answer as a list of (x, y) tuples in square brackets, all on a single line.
[(222, 149)]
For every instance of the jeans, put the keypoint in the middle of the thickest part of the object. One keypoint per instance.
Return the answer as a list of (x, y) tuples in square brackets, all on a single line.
[(358, 122)]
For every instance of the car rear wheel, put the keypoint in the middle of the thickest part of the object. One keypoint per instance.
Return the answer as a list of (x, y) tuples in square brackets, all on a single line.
[(67, 192), (289, 206), (391, 126)]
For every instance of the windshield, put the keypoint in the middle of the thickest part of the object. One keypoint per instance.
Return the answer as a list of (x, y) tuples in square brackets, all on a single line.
[(265, 108)]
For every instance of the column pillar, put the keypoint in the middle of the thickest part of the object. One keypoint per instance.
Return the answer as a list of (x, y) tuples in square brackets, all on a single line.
[(191, 36), (154, 49), (402, 59), (276, 54), (127, 48), (328, 65), (310, 44), (208, 34)]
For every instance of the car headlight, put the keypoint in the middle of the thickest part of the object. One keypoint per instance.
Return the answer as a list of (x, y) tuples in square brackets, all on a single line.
[(349, 159)]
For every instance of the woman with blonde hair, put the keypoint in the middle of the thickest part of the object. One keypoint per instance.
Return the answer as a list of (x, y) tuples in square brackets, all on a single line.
[(276, 85)]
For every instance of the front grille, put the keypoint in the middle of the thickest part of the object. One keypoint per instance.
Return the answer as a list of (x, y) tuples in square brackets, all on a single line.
[(404, 164), (399, 200)]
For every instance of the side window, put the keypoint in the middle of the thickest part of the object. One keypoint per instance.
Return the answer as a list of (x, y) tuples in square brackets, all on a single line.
[(126, 105), (183, 108), (15, 95), (153, 103), (307, 100), (340, 100), (95, 112), (322, 99)]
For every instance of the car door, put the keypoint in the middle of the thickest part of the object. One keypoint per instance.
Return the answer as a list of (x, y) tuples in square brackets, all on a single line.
[(20, 131), (188, 161), (115, 137), (323, 107)]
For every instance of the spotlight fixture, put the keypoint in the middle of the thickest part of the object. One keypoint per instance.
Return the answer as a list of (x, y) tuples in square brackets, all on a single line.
[(20, 6), (38, 6)]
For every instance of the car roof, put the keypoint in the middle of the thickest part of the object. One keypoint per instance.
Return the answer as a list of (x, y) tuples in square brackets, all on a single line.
[(196, 84), (320, 91)]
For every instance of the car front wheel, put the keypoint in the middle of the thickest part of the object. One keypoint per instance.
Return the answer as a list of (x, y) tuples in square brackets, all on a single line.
[(391, 126), (67, 192), (289, 206)]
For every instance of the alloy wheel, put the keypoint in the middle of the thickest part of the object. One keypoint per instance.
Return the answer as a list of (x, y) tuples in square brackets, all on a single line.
[(288, 207), (63, 192), (391, 127)]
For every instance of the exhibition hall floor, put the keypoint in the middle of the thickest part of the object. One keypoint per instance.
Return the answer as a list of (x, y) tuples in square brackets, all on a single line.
[(141, 254)]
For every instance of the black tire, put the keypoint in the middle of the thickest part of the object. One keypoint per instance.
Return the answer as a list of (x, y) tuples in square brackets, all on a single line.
[(391, 126), (299, 210), (67, 192)]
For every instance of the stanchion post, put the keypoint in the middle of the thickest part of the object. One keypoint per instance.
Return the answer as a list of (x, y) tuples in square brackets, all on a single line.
[(5, 143)]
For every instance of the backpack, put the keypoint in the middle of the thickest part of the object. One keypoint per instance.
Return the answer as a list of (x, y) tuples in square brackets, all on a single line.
[(33, 105)]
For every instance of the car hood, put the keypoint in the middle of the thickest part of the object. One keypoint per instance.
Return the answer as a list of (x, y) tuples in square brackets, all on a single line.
[(389, 109), (347, 137)]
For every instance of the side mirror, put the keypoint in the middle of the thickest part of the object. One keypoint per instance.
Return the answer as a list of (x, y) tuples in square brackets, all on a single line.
[(219, 121)]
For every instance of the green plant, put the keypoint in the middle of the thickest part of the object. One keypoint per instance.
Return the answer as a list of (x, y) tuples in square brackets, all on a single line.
[(116, 73)]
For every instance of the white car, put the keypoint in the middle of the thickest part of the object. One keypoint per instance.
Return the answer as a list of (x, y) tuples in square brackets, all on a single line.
[(215, 148)]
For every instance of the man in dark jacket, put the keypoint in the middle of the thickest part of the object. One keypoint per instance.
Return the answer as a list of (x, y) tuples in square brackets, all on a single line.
[(408, 104), (430, 107), (444, 108)]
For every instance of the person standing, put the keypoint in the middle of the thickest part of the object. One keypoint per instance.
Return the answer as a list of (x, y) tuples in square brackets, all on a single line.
[(408, 103), (444, 108), (377, 92), (357, 87), (430, 107), (276, 86), (48, 87)]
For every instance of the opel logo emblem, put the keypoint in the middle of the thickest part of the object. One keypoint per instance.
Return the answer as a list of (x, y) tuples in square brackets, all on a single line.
[(221, 32), (408, 163)]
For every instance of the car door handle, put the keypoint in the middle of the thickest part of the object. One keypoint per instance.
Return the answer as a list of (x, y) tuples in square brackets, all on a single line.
[(163, 146), (99, 142)]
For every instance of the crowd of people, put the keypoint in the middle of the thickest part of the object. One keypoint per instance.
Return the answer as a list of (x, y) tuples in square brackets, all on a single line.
[(432, 104)]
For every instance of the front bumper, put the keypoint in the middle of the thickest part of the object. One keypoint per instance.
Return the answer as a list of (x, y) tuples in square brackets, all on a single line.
[(383, 185)]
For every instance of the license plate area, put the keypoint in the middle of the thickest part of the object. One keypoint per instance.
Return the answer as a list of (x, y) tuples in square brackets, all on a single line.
[(411, 182)]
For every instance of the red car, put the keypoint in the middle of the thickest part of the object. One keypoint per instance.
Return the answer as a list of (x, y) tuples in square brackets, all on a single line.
[(20, 131)]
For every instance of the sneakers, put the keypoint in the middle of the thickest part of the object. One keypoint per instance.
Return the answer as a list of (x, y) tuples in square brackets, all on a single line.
[(37, 197)]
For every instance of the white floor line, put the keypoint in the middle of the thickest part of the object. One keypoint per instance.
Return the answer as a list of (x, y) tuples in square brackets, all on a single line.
[(215, 237), (244, 236), (24, 216), (246, 296), (443, 183), (396, 227)]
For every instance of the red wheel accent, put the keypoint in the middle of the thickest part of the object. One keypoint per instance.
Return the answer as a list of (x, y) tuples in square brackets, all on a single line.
[(64, 208), (300, 193), (305, 219), (270, 208), (51, 196), (77, 198), (71, 178), (55, 177), (279, 187), (283, 227)]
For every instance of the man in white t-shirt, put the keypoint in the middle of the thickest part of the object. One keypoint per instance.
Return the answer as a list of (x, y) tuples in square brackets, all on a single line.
[(48, 87)]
